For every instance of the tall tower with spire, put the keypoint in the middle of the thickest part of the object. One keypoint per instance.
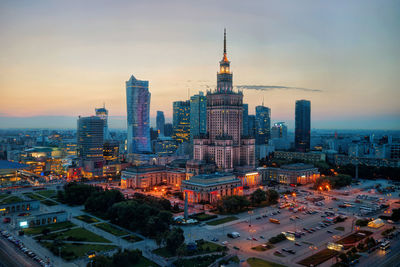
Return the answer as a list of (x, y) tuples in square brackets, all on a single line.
[(224, 144)]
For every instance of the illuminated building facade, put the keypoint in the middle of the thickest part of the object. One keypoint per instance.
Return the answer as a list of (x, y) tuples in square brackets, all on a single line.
[(19, 206), (138, 115), (302, 126), (224, 144), (160, 121), (198, 115), (90, 145), (211, 187), (111, 151), (102, 113), (298, 173), (263, 125), (181, 121), (148, 176), (250, 179), (164, 145)]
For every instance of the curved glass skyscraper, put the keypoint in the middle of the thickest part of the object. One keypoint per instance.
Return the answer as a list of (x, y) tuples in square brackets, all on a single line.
[(138, 111)]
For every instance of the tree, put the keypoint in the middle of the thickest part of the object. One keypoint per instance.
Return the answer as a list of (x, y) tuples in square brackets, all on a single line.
[(258, 196), (174, 239), (272, 196)]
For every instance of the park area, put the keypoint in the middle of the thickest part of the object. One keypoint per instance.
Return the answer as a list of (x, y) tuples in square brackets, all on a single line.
[(52, 227), (74, 234), (72, 251), (222, 220), (111, 229), (86, 218)]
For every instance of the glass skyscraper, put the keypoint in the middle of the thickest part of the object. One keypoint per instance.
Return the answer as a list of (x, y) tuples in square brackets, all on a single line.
[(102, 113), (138, 111), (263, 125), (302, 125), (90, 140), (160, 121), (181, 121), (198, 115)]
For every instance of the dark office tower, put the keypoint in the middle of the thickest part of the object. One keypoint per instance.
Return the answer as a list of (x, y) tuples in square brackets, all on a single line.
[(198, 115), (181, 121), (302, 125), (168, 129), (160, 123), (252, 125), (245, 121), (90, 138), (263, 125), (138, 109)]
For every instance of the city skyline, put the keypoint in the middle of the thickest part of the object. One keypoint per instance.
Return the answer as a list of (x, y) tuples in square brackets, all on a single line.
[(71, 67)]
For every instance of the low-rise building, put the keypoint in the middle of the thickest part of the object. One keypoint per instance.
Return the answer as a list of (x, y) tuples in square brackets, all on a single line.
[(41, 219), (211, 187), (19, 206), (298, 173), (313, 156)]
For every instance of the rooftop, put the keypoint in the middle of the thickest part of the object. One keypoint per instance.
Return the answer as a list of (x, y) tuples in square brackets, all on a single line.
[(9, 165)]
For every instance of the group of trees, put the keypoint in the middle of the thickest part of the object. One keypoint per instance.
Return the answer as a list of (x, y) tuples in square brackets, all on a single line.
[(334, 182), (121, 258), (232, 204), (76, 194), (148, 219), (270, 196), (102, 201)]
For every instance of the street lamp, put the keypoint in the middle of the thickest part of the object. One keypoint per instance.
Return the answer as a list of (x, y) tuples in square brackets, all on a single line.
[(250, 212)]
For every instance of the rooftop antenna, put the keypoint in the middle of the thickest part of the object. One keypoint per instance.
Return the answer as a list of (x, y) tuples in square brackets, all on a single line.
[(263, 101)]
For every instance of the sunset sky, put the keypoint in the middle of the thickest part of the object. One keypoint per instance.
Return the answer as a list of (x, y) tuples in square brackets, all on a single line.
[(61, 59)]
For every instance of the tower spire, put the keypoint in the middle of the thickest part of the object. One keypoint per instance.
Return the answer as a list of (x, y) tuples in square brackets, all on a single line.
[(224, 40)]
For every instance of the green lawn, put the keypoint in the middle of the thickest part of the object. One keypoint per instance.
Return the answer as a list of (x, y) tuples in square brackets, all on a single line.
[(132, 238), (46, 193), (203, 261), (4, 196), (204, 217), (163, 252), (340, 228), (73, 251), (48, 202), (34, 196), (86, 218), (10, 199), (205, 248), (75, 234), (145, 262), (111, 229), (256, 262), (262, 248), (52, 227), (222, 220)]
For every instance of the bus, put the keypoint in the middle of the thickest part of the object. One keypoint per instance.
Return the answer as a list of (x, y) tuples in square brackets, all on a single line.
[(274, 220), (385, 245)]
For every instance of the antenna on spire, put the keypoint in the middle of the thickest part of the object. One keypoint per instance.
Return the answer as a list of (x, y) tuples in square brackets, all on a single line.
[(263, 101), (104, 104), (224, 40)]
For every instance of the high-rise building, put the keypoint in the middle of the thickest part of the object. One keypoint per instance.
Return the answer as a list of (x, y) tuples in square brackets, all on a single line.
[(224, 144), (111, 151), (168, 129), (279, 130), (245, 127), (198, 115), (181, 121), (138, 109), (102, 113), (90, 138), (263, 125), (252, 126), (302, 125), (160, 121)]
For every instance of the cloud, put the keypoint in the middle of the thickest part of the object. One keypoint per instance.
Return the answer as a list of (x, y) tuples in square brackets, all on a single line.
[(275, 87)]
